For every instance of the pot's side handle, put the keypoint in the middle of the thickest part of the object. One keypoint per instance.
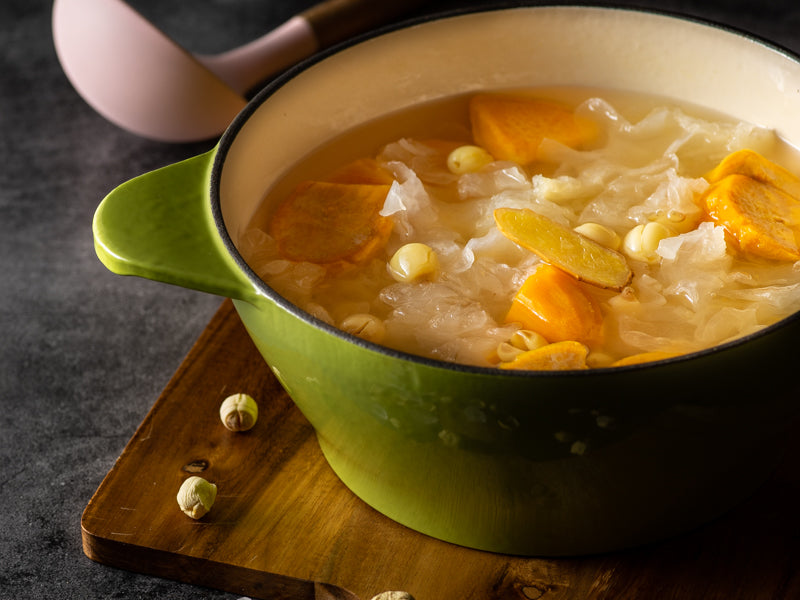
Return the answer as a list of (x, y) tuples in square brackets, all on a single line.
[(159, 226)]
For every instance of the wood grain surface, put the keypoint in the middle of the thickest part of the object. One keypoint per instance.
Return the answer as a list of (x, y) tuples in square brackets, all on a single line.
[(283, 526)]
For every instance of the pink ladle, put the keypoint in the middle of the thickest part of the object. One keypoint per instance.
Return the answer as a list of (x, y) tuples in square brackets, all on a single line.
[(138, 78)]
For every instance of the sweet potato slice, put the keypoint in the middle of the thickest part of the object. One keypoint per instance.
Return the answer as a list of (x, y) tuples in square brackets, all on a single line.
[(576, 254), (753, 165), (512, 127), (559, 356), (322, 222), (762, 219), (553, 304)]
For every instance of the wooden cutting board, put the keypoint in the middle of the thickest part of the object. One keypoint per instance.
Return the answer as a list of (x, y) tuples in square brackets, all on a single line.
[(283, 526)]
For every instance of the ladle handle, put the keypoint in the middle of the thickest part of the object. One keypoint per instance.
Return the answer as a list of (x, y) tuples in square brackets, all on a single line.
[(159, 226), (336, 20)]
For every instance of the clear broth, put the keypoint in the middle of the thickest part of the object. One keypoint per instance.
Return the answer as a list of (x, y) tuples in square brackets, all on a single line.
[(465, 326)]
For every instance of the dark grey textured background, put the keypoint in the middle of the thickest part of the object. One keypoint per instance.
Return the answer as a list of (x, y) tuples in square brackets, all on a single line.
[(84, 353)]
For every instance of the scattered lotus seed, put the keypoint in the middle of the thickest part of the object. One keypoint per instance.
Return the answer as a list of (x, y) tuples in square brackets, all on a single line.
[(508, 422), (675, 220), (563, 436), (319, 312), (468, 159), (600, 234), (196, 496), (532, 593), (604, 421), (238, 412), (578, 448), (642, 241), (449, 438), (506, 352), (413, 262), (519, 342), (527, 340), (365, 326), (393, 596)]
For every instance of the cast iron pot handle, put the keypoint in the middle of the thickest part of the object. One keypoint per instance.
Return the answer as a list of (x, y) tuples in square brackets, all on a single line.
[(159, 226)]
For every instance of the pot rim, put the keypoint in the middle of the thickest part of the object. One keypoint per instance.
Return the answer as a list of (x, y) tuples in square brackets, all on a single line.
[(229, 136)]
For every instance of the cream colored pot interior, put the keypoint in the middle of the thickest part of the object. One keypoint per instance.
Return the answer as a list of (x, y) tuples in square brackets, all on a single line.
[(512, 48)]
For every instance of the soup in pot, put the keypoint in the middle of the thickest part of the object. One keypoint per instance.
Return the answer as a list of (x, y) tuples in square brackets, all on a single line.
[(540, 229)]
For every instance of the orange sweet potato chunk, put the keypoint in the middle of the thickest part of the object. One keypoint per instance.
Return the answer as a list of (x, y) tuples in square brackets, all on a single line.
[(553, 304), (762, 219), (753, 165), (512, 127), (323, 222), (559, 356)]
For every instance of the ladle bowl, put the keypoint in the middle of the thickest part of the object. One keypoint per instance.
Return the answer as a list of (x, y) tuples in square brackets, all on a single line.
[(135, 76)]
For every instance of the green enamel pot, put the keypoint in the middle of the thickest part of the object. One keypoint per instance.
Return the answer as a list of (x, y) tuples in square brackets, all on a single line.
[(530, 463)]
